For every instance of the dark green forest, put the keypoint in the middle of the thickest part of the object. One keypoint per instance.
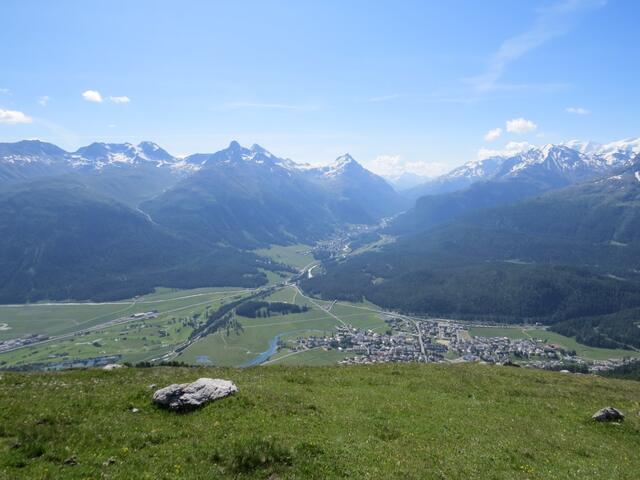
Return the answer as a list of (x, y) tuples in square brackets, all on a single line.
[(254, 308)]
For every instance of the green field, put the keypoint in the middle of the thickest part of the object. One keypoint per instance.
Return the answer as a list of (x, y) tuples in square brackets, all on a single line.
[(297, 256), (60, 318), (377, 422), (590, 353), (312, 357), (237, 348), (144, 340), (135, 341)]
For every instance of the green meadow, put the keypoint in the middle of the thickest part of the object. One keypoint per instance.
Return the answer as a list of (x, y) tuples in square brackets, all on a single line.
[(411, 421), (298, 255), (135, 341), (235, 348)]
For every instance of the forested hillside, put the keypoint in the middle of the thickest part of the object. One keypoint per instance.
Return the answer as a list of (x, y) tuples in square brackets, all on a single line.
[(61, 241)]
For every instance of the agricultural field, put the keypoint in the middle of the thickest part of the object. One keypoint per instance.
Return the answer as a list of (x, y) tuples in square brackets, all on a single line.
[(60, 318), (590, 353), (255, 341), (297, 256), (135, 340)]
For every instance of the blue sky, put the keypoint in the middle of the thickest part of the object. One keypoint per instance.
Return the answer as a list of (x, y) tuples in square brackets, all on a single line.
[(401, 85)]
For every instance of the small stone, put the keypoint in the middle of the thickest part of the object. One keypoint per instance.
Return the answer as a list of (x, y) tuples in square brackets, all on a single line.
[(109, 461), (71, 461), (135, 410), (152, 386), (188, 396), (608, 414)]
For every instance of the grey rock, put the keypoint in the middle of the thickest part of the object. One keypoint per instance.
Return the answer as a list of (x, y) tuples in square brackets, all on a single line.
[(188, 396), (113, 366), (608, 414)]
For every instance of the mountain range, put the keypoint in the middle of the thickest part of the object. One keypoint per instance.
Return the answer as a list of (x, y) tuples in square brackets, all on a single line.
[(502, 180), (168, 218), (549, 234), (553, 165), (553, 236)]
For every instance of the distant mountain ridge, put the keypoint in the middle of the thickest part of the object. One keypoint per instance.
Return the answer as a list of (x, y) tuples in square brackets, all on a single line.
[(252, 197), (136, 173), (557, 164), (503, 180), (116, 220)]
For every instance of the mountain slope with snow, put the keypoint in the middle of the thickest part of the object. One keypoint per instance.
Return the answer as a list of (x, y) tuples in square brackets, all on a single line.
[(553, 165)]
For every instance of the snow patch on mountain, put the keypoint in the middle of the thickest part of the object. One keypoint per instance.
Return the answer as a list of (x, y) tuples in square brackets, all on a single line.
[(574, 159), (339, 166)]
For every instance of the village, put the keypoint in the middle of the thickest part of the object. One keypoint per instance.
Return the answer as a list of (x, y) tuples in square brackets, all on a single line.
[(13, 343), (442, 341)]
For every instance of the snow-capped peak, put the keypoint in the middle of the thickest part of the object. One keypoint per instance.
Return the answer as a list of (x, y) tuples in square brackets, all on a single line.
[(344, 159), (101, 155), (340, 165), (258, 149)]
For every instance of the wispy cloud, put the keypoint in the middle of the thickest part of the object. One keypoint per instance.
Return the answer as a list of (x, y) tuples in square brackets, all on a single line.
[(44, 100), (92, 96), (121, 99), (270, 106), (577, 110), (13, 117), (549, 23), (5, 91)]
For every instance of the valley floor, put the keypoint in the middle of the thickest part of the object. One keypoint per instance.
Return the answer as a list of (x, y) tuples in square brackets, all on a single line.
[(383, 421), (78, 334)]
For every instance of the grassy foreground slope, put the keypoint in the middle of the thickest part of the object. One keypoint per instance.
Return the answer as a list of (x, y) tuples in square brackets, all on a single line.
[(385, 421)]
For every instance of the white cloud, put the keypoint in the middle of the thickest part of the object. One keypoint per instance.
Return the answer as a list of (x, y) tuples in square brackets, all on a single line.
[(5, 91), (122, 99), (394, 165), (492, 135), (549, 23), (92, 96), (13, 117), (510, 149), (520, 125), (577, 110), (44, 100)]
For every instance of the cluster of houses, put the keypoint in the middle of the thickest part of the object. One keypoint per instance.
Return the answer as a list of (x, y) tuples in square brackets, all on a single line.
[(503, 349), (369, 346), (14, 343), (100, 361), (432, 340)]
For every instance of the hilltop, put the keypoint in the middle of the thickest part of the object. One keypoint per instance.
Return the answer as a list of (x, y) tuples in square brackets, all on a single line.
[(385, 421)]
